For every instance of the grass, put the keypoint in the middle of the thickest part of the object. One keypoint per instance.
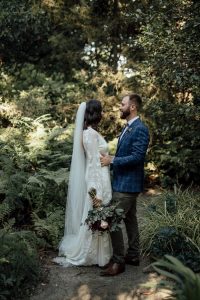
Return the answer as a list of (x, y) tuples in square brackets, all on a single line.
[(186, 218)]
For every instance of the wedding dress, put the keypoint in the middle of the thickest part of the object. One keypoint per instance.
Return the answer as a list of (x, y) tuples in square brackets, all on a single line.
[(79, 245)]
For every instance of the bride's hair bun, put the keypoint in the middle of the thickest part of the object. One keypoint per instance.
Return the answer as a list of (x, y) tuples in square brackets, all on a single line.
[(93, 113)]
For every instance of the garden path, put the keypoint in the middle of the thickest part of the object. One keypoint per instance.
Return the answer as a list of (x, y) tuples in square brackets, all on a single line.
[(84, 283)]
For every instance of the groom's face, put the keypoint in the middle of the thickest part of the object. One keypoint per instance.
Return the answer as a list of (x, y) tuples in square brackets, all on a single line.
[(125, 108)]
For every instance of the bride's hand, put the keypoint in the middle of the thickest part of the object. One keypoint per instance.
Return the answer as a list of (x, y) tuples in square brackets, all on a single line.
[(106, 160), (96, 202)]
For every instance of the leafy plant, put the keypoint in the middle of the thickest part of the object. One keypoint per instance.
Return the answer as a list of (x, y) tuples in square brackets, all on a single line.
[(103, 217), (168, 240), (187, 283), (170, 203), (173, 233), (51, 227), (174, 149), (19, 263)]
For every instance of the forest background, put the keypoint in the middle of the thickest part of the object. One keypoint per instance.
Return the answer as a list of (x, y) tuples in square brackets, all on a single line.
[(53, 56)]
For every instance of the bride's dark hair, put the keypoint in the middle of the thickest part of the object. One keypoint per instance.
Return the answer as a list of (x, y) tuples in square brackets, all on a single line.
[(93, 113)]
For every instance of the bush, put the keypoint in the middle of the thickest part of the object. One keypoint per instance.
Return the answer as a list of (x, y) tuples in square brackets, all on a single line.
[(169, 241), (19, 264), (186, 284), (51, 227), (174, 151), (176, 232), (34, 171)]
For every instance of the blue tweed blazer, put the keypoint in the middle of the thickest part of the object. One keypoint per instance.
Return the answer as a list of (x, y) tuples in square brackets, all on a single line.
[(128, 164)]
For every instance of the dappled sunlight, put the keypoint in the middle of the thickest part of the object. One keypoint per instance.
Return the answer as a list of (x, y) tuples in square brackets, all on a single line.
[(151, 166), (37, 139), (33, 101), (9, 110), (125, 296), (50, 3), (23, 94), (83, 293), (61, 134), (148, 290), (10, 134), (153, 192)]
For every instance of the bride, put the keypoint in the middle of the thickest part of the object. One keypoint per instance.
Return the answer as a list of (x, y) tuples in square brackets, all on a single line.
[(79, 245)]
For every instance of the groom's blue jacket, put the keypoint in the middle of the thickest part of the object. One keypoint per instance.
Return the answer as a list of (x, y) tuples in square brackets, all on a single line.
[(128, 164)]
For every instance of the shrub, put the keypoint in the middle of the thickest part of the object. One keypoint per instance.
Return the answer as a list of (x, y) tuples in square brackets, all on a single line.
[(176, 232), (169, 241), (19, 264), (50, 227), (34, 171), (187, 284), (174, 150)]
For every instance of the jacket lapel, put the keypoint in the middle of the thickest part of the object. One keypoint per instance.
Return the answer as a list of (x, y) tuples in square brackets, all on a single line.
[(126, 134)]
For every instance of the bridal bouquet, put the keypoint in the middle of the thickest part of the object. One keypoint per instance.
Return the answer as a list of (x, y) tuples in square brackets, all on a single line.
[(104, 217)]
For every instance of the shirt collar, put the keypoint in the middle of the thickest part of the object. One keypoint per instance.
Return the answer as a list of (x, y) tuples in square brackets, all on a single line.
[(132, 120)]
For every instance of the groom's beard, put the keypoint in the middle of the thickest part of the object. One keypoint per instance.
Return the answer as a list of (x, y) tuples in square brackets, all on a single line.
[(125, 114)]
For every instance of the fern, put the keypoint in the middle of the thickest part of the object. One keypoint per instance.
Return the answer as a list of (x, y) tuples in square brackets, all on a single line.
[(58, 176), (33, 180), (19, 264), (5, 210), (51, 227)]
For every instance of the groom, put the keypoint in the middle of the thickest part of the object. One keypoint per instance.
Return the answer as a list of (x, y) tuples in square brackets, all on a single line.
[(128, 179)]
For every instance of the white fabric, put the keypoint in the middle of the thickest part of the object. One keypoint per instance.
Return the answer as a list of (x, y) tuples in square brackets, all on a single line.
[(76, 196), (79, 246)]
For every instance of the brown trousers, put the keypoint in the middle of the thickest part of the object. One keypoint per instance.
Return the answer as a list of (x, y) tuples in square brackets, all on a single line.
[(126, 201)]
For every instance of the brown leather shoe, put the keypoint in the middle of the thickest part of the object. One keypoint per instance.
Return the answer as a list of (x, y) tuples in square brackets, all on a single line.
[(106, 266), (134, 261), (113, 270)]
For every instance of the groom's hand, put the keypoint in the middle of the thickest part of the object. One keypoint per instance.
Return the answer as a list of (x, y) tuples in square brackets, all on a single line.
[(106, 160)]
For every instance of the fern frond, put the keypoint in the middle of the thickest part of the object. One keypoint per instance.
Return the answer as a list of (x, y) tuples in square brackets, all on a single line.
[(5, 210), (59, 176)]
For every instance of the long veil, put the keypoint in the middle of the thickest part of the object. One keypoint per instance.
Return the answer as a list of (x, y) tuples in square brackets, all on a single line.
[(76, 186)]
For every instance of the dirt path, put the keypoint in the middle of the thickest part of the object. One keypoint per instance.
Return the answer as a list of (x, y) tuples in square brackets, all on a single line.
[(84, 283)]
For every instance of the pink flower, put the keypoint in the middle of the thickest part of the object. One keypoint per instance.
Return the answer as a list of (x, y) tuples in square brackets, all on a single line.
[(104, 224)]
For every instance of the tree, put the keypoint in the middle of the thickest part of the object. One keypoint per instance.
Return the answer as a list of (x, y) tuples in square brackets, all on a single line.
[(171, 42)]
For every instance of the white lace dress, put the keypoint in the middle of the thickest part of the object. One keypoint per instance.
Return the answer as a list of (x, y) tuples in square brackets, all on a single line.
[(86, 248)]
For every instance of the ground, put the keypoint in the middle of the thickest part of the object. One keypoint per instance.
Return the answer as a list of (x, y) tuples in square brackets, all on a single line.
[(84, 283)]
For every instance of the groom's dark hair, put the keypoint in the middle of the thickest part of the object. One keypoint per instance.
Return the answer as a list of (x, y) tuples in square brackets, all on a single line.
[(93, 113), (137, 100)]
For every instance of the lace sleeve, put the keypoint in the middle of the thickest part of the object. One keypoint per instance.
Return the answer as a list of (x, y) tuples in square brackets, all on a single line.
[(90, 142)]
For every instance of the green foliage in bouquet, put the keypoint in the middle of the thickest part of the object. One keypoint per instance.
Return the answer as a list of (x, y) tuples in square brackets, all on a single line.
[(186, 284), (19, 264), (105, 218)]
